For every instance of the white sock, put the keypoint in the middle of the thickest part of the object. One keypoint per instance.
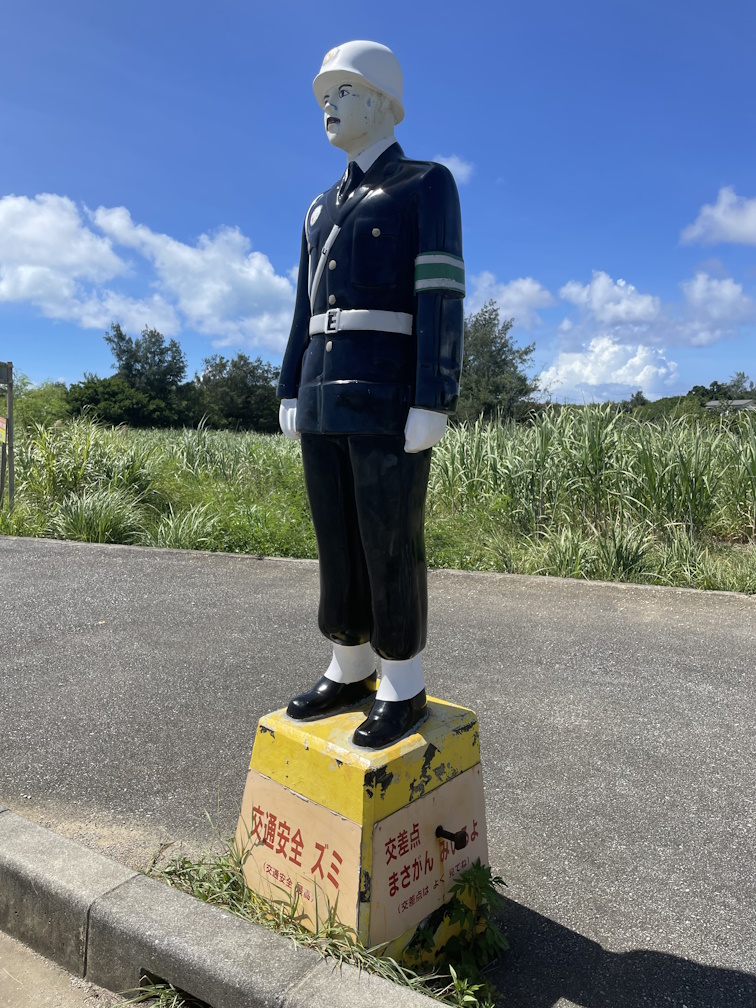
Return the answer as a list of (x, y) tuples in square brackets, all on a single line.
[(401, 680), (351, 664)]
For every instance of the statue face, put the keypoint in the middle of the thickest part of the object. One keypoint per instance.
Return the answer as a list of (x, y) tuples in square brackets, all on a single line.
[(352, 116)]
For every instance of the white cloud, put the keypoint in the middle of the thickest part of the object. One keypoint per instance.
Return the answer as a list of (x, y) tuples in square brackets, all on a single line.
[(67, 264), (103, 307), (220, 285), (607, 352), (49, 257), (718, 300), (460, 169), (47, 234), (619, 341), (731, 219), (596, 370), (611, 303), (713, 310), (517, 299)]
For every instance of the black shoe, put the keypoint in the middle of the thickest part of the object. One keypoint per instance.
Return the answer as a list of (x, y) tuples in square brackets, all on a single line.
[(328, 697), (390, 720)]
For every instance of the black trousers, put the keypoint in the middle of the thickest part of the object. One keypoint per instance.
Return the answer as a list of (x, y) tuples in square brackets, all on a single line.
[(367, 498)]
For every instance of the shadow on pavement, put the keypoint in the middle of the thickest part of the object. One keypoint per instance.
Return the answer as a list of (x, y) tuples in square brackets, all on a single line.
[(548, 962)]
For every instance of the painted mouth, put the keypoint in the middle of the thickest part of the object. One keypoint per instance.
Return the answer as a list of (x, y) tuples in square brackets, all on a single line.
[(332, 121)]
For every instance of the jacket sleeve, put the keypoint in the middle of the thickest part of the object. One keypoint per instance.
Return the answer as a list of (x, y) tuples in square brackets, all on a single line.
[(439, 293), (291, 368)]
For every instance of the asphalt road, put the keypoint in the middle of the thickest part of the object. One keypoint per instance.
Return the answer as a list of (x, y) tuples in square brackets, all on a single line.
[(616, 728)]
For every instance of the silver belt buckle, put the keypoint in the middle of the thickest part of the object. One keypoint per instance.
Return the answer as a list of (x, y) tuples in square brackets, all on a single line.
[(332, 320)]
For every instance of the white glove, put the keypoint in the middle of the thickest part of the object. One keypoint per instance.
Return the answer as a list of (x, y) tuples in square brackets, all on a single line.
[(423, 429), (287, 418)]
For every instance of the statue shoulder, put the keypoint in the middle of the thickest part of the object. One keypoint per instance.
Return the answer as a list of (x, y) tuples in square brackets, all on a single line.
[(429, 175)]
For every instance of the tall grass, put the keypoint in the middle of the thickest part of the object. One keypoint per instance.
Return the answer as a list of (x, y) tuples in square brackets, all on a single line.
[(584, 493)]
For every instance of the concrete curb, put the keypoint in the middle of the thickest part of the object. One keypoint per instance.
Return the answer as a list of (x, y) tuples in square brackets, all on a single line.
[(110, 925)]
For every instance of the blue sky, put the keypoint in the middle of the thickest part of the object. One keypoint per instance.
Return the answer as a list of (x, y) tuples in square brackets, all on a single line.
[(158, 159)]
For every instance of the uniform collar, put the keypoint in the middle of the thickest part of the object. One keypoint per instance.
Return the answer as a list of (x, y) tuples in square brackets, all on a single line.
[(383, 165), (370, 155)]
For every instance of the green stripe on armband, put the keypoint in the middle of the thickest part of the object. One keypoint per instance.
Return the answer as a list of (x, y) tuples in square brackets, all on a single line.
[(439, 271)]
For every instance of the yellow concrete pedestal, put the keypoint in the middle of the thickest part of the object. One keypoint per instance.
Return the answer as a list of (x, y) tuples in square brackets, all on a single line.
[(354, 831)]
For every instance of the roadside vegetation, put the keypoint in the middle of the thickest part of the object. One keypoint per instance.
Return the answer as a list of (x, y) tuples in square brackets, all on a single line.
[(654, 493), (582, 492), (459, 977)]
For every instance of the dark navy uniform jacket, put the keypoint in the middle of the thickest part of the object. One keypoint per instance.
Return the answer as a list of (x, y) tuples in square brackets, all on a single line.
[(400, 231)]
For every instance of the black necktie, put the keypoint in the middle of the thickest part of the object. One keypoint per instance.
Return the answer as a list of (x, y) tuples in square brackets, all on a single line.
[(354, 175)]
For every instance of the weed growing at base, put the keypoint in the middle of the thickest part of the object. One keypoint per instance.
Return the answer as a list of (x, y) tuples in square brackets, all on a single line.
[(218, 879), (162, 995), (583, 493)]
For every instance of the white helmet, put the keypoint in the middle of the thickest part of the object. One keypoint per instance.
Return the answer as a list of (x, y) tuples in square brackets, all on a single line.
[(370, 61)]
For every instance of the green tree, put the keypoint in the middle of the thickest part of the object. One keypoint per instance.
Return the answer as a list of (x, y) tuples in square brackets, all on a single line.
[(717, 390), (187, 405), (147, 389), (38, 404), (494, 380), (671, 406), (636, 400), (741, 386), (238, 393), (113, 400), (147, 363)]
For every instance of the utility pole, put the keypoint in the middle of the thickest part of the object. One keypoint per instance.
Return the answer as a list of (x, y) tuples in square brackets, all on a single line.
[(6, 435)]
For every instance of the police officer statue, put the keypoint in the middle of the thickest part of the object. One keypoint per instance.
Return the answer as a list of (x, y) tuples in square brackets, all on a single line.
[(370, 374)]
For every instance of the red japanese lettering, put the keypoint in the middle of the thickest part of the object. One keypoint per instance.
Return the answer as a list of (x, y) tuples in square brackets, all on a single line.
[(336, 862), (474, 835), (270, 830), (403, 842), (417, 867), (445, 851), (393, 884), (428, 866), (297, 846), (414, 836), (258, 825), (390, 850), (405, 876), (318, 866), (283, 837)]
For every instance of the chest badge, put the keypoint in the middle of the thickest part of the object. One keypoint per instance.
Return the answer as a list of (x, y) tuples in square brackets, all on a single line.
[(315, 214)]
